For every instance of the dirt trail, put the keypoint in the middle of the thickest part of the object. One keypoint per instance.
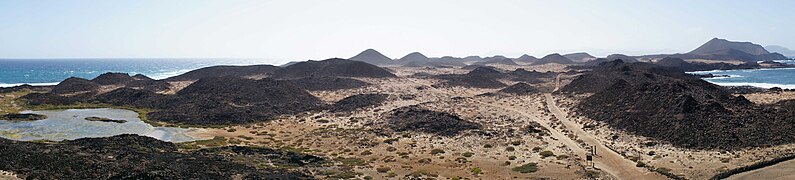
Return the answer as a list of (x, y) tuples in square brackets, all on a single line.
[(557, 82), (781, 170), (605, 159)]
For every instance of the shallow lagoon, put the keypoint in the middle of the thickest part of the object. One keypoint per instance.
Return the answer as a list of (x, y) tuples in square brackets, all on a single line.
[(71, 124)]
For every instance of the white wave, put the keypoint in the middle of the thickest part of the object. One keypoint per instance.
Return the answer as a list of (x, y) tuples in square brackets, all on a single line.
[(773, 69), (761, 85), (725, 76), (785, 61), (706, 72), (32, 84), (163, 75), (737, 70)]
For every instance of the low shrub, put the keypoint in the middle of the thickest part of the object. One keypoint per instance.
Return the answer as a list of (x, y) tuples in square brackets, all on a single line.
[(526, 168)]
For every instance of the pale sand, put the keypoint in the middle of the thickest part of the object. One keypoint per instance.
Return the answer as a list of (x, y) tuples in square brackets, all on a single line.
[(5, 175), (176, 86), (351, 134), (769, 98)]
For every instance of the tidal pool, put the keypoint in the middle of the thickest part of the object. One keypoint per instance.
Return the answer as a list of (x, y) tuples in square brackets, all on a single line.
[(71, 124)]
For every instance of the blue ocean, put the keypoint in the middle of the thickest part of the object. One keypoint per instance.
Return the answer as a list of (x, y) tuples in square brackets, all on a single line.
[(51, 71), (764, 78)]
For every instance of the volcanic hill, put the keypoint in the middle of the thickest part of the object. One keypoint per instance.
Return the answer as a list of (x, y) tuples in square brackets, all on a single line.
[(223, 71), (553, 58), (373, 57), (528, 59), (579, 57), (331, 68), (675, 107)]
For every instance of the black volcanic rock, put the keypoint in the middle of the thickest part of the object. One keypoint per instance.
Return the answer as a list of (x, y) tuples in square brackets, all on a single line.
[(74, 85), (485, 72), (373, 57), (488, 77), (139, 157), (230, 100), (519, 89), (675, 107), (331, 68), (521, 74), (138, 81), (22, 117), (129, 96), (111, 78), (414, 118), (327, 83), (215, 100), (480, 77), (415, 64), (579, 57), (224, 71), (358, 101), (526, 59), (671, 62), (25, 87), (141, 77), (598, 61), (553, 58)]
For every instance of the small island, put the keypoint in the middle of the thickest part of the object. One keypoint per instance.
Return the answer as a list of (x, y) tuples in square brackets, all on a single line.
[(102, 119), (22, 117)]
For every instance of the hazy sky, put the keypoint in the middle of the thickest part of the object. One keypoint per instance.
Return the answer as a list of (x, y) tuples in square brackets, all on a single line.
[(299, 30)]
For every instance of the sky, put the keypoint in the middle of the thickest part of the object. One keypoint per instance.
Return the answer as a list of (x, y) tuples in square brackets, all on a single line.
[(299, 29)]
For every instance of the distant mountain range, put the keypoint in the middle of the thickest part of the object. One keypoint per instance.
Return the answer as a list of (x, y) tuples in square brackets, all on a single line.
[(721, 49), (781, 50), (714, 49), (580, 57)]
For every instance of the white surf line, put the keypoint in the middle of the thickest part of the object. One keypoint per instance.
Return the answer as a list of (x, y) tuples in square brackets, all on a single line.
[(760, 85), (32, 84)]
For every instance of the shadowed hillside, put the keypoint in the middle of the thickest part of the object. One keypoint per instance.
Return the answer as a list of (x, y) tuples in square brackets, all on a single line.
[(684, 110), (331, 68)]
